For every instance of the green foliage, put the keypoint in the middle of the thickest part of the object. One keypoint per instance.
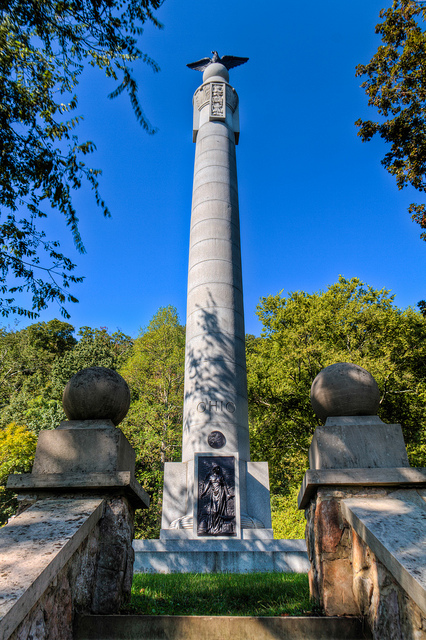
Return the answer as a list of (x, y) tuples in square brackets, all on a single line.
[(396, 86), (37, 362), (155, 373), (302, 334), (26, 360), (288, 522), (44, 47), (221, 594), (17, 449), (95, 348)]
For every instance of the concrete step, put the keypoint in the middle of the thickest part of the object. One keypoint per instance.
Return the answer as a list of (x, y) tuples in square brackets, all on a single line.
[(218, 628)]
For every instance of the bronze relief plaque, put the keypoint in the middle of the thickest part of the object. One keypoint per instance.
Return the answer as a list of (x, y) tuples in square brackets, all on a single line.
[(216, 496)]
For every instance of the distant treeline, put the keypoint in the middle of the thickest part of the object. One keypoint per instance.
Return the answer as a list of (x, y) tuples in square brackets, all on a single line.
[(302, 334)]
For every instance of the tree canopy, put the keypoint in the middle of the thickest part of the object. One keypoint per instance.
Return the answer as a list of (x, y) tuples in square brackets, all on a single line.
[(396, 86), (44, 47), (155, 374), (302, 334)]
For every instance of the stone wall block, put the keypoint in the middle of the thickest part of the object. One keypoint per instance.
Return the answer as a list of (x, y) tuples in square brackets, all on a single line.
[(338, 596), (82, 574), (328, 527), (115, 557), (387, 625), (58, 609), (363, 583), (313, 585), (360, 555), (108, 596), (128, 572), (51, 618), (329, 545), (414, 622), (112, 557), (312, 547)]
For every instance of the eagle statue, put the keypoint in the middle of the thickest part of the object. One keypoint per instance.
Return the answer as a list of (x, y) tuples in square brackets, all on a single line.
[(228, 61)]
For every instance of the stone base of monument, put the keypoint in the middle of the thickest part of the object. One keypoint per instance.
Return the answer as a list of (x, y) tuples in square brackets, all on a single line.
[(220, 556), (198, 536)]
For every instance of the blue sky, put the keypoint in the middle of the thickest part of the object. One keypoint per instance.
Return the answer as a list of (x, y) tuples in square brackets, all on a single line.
[(314, 201)]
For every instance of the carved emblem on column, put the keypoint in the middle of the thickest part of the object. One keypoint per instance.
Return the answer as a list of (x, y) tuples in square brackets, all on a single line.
[(231, 98), (202, 96), (217, 101)]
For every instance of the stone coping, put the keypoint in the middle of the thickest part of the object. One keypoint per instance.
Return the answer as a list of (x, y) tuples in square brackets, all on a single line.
[(35, 546), (134, 627), (361, 478), (197, 546), (394, 527), (118, 482)]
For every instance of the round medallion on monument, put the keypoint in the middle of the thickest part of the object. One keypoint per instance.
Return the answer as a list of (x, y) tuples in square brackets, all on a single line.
[(344, 389), (216, 440), (96, 393)]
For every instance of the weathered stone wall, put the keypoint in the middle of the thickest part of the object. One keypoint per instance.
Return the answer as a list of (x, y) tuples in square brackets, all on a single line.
[(96, 579), (347, 578), (387, 607)]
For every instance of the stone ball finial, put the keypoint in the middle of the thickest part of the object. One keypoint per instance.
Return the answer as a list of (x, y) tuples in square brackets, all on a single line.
[(344, 389), (216, 70), (96, 393)]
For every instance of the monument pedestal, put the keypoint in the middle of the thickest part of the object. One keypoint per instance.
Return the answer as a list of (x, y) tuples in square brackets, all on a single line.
[(252, 506), (207, 555)]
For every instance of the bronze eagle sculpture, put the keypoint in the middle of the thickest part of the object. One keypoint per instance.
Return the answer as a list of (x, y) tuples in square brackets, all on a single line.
[(228, 61)]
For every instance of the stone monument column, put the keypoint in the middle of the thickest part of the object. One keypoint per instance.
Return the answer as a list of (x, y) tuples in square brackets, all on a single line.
[(216, 490), (215, 405)]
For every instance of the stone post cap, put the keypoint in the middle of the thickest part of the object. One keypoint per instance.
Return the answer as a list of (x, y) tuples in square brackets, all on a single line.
[(344, 389), (96, 393)]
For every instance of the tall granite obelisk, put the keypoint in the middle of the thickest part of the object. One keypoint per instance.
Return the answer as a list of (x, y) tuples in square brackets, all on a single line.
[(215, 490)]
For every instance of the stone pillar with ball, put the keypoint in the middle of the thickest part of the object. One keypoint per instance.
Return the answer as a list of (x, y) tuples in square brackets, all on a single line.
[(86, 456), (357, 464)]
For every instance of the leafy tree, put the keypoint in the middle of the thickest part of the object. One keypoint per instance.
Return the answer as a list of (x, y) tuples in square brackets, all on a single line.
[(37, 362), (44, 47), (17, 449), (95, 348), (155, 374), (396, 86), (302, 334), (26, 360)]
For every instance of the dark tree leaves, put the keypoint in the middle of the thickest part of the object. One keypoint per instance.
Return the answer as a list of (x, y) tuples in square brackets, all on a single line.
[(44, 46), (396, 86)]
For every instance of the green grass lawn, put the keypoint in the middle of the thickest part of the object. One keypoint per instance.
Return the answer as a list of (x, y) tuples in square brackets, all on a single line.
[(221, 594)]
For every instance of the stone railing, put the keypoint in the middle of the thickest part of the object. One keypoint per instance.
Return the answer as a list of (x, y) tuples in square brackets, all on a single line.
[(367, 553), (62, 556), (365, 509), (69, 550)]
